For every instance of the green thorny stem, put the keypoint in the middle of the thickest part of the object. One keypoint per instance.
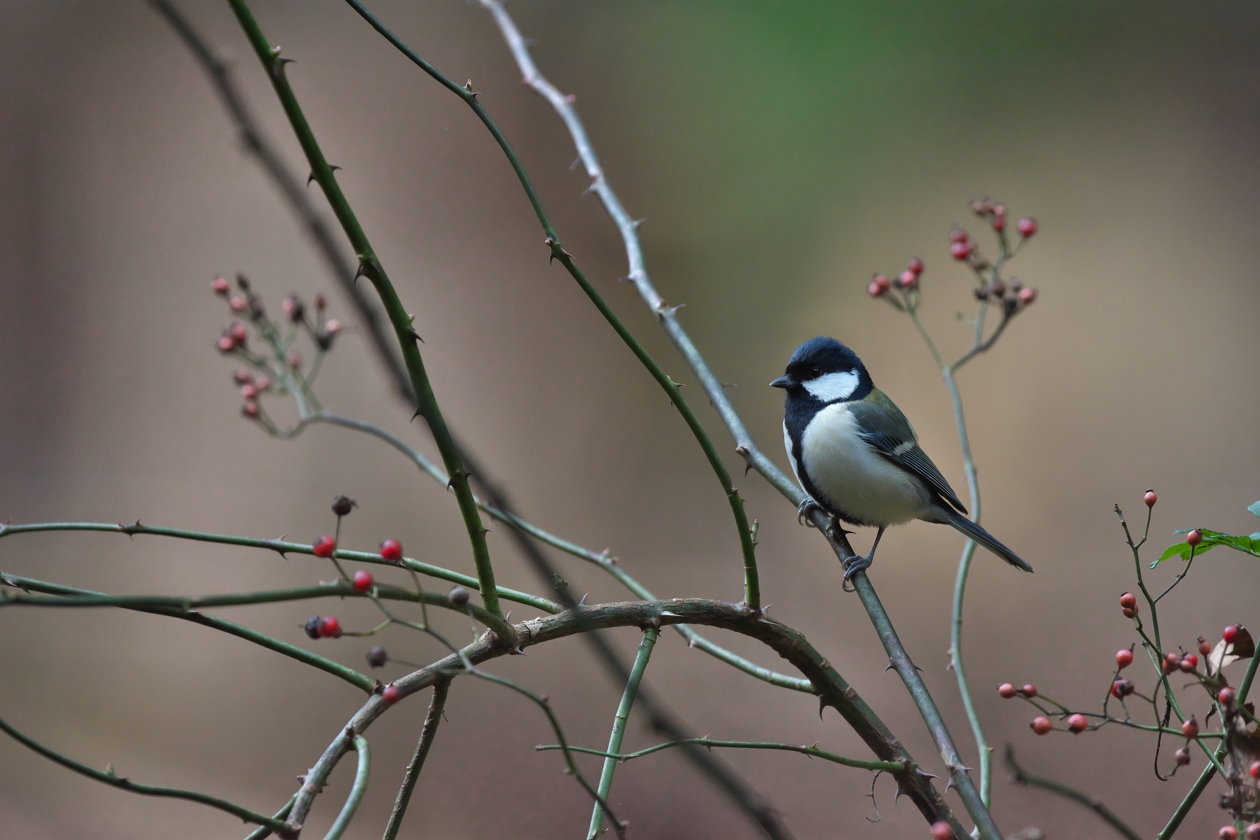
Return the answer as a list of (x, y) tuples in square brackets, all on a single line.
[(948, 370), (650, 636), (370, 267), (752, 586)]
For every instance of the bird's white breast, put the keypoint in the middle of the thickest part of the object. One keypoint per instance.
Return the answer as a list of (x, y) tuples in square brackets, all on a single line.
[(853, 476)]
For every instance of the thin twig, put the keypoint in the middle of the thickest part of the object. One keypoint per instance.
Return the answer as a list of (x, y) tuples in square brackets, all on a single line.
[(1095, 804), (357, 789), (112, 779), (714, 743), (432, 720), (619, 728)]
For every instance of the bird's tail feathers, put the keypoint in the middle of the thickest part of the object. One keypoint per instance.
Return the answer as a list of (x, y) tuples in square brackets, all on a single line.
[(966, 526)]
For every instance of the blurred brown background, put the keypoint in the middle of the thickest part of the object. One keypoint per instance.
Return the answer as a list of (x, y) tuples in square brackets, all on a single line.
[(780, 153)]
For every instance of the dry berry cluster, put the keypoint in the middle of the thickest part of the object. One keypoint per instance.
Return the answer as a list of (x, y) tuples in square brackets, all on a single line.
[(1012, 296), (273, 363)]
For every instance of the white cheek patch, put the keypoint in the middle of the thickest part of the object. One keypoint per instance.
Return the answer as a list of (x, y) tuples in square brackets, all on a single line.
[(832, 386)]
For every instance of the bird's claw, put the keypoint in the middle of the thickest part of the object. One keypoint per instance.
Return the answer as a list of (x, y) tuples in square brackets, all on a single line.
[(804, 509), (852, 565)]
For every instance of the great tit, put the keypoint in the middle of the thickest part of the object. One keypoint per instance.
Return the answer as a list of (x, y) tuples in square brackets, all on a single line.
[(856, 455)]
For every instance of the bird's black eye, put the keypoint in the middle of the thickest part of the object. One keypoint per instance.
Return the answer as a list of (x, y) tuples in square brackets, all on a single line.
[(814, 373)]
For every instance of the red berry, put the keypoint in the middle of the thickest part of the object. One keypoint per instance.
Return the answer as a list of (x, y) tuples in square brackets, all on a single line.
[(1150, 498), (1121, 689), (1255, 770), (1227, 832), (875, 290), (250, 409), (1253, 832), (1183, 757), (238, 333), (225, 344), (1006, 691), (391, 550), (1029, 690), (1194, 537), (1077, 723), (907, 279), (999, 217), (1027, 296), (324, 546), (362, 580), (960, 250), (942, 831), (262, 383), (320, 303), (1041, 725), (1226, 696), (295, 360), (1205, 647), (1231, 633), (1027, 227), (1190, 728), (390, 694), (1188, 663), (1171, 662), (916, 265), (249, 391), (1124, 658), (238, 303), (1128, 601), (220, 286), (957, 234), (329, 627)]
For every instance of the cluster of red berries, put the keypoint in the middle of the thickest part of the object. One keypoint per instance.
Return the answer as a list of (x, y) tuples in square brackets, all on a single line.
[(907, 281), (361, 581), (1251, 832)]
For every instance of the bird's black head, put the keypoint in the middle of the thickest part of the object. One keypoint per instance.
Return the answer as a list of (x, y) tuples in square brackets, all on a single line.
[(824, 370)]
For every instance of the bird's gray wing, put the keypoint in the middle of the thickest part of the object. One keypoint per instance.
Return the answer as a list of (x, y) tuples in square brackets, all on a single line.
[(896, 441)]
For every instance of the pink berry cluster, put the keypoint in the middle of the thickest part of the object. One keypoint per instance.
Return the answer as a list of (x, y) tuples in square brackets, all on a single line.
[(361, 581), (906, 282), (1012, 296), (276, 365)]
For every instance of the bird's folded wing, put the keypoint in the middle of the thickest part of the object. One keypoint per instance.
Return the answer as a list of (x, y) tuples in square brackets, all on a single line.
[(896, 441)]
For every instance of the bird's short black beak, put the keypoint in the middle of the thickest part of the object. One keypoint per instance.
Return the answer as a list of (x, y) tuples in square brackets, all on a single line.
[(783, 382)]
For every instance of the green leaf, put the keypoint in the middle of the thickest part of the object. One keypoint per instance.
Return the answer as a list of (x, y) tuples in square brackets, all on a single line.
[(1173, 551), (1254, 508), (1211, 539)]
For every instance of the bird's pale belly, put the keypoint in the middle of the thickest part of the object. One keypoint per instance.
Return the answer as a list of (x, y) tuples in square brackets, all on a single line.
[(854, 480)]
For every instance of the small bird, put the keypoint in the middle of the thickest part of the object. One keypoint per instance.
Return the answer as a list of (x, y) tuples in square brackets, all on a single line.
[(856, 455)]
